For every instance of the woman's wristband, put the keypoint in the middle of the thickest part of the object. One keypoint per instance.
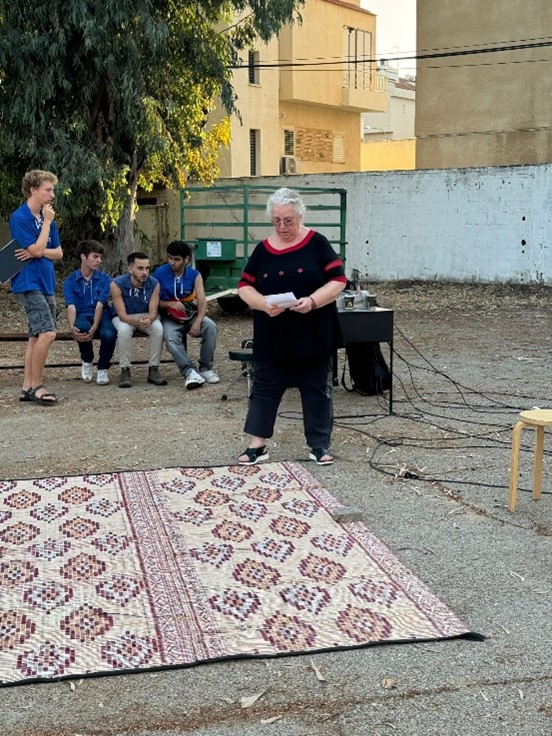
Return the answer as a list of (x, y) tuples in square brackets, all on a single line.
[(313, 303)]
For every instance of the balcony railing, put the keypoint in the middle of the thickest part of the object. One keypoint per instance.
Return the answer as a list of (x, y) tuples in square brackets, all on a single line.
[(360, 78), (362, 96)]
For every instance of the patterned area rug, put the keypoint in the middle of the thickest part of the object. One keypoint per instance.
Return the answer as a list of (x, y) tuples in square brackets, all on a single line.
[(139, 570)]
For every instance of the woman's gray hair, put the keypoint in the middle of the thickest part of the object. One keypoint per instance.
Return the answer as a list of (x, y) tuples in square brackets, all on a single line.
[(286, 196)]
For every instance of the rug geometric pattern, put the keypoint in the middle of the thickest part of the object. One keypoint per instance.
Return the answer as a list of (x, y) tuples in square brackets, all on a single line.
[(139, 570)]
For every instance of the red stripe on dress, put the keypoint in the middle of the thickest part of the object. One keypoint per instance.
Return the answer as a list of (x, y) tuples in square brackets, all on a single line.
[(246, 280), (334, 264)]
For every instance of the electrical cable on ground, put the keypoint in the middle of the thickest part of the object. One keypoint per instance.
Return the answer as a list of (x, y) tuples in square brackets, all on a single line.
[(423, 416)]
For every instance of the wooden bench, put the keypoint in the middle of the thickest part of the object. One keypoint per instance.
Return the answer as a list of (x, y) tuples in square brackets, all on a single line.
[(63, 337), (66, 336), (24, 336)]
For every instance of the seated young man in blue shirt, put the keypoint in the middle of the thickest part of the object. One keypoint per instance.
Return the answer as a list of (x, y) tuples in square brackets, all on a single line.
[(86, 292), (34, 228), (184, 312), (136, 300)]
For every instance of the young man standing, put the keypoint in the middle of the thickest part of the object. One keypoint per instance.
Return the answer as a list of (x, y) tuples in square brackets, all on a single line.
[(86, 292), (136, 300), (184, 308), (34, 228)]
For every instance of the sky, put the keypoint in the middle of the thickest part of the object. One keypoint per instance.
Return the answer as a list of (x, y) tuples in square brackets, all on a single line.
[(395, 27)]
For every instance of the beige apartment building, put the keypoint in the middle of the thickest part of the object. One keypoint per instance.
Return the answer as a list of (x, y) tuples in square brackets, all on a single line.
[(490, 108), (301, 95), (300, 98)]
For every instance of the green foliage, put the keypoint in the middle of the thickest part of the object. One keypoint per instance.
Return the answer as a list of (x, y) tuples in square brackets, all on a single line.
[(112, 94)]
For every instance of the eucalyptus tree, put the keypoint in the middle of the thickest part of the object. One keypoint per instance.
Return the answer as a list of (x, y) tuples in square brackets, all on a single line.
[(113, 95)]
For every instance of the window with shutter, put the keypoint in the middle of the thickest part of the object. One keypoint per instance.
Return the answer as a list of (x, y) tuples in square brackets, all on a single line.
[(289, 142), (254, 151), (253, 65), (338, 154)]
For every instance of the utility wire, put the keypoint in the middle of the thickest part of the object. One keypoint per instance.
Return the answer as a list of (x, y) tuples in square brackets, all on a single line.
[(531, 39), (416, 57), (398, 57), (435, 66)]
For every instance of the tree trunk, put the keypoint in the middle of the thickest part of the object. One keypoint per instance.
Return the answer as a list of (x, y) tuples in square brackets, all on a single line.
[(121, 242)]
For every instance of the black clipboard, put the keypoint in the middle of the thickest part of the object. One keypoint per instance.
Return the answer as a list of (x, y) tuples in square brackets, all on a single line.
[(9, 264)]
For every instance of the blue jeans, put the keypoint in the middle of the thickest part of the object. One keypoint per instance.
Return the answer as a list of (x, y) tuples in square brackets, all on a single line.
[(175, 339), (108, 338)]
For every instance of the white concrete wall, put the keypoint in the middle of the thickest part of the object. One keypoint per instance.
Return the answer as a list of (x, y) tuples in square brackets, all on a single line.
[(480, 224)]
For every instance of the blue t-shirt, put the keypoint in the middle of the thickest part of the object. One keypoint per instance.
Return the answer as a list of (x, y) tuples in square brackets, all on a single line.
[(173, 287), (85, 294), (136, 299), (37, 274)]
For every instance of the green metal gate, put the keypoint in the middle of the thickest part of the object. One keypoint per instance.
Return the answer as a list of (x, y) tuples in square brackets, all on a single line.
[(226, 222)]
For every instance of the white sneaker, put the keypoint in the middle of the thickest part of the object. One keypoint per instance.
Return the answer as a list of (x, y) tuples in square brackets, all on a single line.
[(194, 380), (102, 378), (86, 371), (210, 376)]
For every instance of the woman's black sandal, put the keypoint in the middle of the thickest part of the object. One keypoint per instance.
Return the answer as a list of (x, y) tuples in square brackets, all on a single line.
[(25, 394), (254, 455), (317, 453)]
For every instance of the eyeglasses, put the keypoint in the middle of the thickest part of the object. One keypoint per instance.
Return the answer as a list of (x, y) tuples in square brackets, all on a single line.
[(287, 221)]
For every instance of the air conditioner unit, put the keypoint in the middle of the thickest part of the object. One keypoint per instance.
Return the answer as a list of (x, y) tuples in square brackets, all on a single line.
[(289, 165)]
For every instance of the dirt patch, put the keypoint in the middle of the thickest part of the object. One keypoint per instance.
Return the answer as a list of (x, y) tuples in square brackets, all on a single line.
[(459, 328), (431, 481)]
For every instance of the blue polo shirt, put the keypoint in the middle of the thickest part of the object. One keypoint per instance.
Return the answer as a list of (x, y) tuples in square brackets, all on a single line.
[(173, 287), (84, 294), (37, 274), (136, 299)]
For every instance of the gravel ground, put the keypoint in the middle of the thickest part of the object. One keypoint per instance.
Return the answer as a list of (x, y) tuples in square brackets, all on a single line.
[(431, 481)]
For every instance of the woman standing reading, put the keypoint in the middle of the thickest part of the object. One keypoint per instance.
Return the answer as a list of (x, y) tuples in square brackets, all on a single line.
[(292, 346)]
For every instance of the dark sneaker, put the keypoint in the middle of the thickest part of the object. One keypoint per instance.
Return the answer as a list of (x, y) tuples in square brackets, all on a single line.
[(124, 380), (155, 377)]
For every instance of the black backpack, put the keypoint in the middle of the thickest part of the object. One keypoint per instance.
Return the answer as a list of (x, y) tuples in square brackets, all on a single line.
[(368, 371)]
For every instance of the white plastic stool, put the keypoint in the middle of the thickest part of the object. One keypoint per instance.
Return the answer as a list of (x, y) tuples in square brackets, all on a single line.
[(539, 419)]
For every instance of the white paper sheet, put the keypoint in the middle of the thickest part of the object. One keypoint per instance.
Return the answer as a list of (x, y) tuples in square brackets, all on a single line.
[(282, 300)]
